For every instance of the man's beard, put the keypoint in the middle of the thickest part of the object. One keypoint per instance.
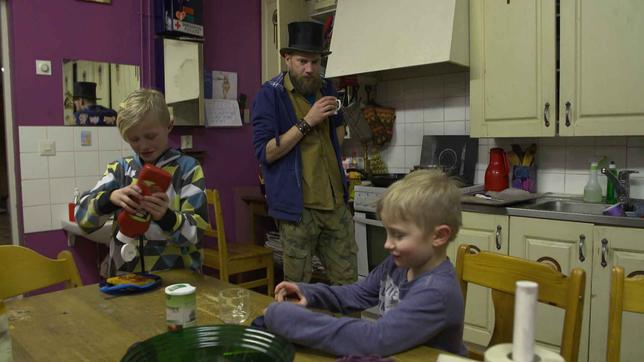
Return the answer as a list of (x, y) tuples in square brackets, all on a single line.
[(307, 86)]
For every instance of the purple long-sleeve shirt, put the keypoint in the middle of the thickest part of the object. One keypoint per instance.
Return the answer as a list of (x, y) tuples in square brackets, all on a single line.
[(427, 310)]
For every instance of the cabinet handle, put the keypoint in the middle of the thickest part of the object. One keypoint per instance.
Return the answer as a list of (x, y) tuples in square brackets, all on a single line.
[(604, 252), (497, 238), (568, 104), (546, 114), (582, 240)]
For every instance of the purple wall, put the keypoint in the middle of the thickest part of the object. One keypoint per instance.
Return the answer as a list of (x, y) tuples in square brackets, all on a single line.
[(119, 33)]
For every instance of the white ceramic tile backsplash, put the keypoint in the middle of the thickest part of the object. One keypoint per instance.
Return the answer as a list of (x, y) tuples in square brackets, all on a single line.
[(48, 182), (441, 104)]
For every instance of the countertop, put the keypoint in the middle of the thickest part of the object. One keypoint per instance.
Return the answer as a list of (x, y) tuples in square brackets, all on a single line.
[(525, 209)]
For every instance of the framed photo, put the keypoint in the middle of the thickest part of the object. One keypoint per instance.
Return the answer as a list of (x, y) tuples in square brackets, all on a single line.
[(99, 1)]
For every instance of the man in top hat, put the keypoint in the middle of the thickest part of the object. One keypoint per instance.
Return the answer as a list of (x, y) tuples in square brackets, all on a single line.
[(86, 111), (297, 133)]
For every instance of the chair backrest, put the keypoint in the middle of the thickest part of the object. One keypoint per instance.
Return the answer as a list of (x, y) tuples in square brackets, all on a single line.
[(217, 231), (23, 270), (501, 272), (626, 295)]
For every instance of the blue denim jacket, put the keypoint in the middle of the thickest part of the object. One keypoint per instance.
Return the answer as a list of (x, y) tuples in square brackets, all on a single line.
[(273, 115)]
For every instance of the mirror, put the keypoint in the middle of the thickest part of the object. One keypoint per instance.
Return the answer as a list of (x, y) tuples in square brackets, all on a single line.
[(113, 83)]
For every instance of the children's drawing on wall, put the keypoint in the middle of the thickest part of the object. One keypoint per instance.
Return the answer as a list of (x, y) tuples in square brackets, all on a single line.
[(224, 85)]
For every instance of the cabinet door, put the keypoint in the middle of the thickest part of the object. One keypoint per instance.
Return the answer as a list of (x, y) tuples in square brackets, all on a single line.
[(512, 68), (489, 233), (569, 244), (602, 77), (270, 36), (623, 247)]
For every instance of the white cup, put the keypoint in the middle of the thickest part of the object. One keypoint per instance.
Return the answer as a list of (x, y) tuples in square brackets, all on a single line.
[(338, 101), (234, 305)]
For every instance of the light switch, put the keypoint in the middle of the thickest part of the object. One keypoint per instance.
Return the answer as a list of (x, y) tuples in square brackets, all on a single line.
[(47, 147), (186, 142), (43, 67)]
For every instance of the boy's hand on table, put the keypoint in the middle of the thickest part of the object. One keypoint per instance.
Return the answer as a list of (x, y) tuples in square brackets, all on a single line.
[(289, 292), (156, 204), (127, 198)]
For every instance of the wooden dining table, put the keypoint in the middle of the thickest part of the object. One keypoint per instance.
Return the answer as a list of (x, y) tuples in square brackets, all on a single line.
[(84, 324)]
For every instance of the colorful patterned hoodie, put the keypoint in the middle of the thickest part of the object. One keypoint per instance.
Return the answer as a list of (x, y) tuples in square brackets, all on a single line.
[(172, 242)]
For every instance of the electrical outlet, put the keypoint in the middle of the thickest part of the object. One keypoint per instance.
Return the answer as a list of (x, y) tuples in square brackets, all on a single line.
[(43, 67), (186, 142), (47, 148)]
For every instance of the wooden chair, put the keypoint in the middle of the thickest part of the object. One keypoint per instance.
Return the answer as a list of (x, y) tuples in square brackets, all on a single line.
[(501, 272), (23, 270), (626, 295), (235, 258)]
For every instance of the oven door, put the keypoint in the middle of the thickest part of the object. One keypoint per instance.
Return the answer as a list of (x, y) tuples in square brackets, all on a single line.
[(370, 236)]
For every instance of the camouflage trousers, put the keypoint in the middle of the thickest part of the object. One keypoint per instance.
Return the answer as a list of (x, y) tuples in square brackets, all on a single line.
[(326, 234)]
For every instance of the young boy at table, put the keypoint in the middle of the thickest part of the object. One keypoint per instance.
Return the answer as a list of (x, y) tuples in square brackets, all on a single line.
[(415, 288), (178, 216)]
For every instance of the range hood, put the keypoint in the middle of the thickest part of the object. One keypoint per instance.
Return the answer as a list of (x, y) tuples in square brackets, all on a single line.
[(399, 39)]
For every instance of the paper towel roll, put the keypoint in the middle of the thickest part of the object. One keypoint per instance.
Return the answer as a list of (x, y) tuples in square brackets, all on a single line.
[(503, 352), (525, 307)]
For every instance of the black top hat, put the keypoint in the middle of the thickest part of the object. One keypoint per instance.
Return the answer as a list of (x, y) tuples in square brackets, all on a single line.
[(85, 90), (306, 37)]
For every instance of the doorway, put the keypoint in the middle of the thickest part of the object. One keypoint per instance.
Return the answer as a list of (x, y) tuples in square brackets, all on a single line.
[(8, 208)]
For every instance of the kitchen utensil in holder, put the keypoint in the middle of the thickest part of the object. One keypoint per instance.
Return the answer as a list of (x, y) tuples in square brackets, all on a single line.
[(524, 178)]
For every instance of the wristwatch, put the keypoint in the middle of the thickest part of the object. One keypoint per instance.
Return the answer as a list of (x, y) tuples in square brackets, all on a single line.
[(304, 127)]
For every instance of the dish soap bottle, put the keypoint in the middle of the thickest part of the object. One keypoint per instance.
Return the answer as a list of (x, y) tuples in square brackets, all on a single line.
[(592, 190), (611, 198)]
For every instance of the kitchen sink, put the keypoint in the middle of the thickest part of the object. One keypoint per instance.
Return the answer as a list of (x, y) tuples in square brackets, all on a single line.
[(570, 207)]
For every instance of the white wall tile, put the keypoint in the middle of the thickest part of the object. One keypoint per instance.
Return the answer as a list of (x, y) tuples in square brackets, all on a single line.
[(398, 137), (129, 152), (611, 141), (63, 136), (414, 111), (434, 128), (93, 135), (33, 166), (433, 110), (394, 156), (551, 158), (454, 109), (35, 192), (412, 156), (105, 157), (86, 164), (36, 218), (62, 190), (125, 146), (578, 159), (612, 153), (580, 141), (455, 128), (413, 88), (454, 84), (483, 156), (396, 90), (467, 110), (413, 134), (29, 138), (635, 159), (636, 141), (575, 183), (86, 183), (58, 212), (637, 187), (551, 181), (109, 139), (62, 165), (433, 87)]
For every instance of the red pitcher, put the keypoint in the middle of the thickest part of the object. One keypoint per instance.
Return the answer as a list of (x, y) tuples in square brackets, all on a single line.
[(498, 171)]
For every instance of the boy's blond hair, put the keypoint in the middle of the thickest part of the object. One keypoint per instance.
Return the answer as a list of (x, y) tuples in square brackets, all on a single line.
[(139, 105), (426, 198)]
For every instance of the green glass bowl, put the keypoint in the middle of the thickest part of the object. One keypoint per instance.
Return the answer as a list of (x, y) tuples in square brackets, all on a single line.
[(221, 343)]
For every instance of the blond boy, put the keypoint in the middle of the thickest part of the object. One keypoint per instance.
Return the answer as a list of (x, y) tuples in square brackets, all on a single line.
[(179, 215), (415, 288)]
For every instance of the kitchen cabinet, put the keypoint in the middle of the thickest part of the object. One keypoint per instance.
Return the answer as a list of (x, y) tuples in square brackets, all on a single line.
[(568, 244), (525, 75), (488, 233), (317, 8), (623, 247), (276, 15)]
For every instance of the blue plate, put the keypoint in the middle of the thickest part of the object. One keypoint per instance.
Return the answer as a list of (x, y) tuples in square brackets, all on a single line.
[(108, 288)]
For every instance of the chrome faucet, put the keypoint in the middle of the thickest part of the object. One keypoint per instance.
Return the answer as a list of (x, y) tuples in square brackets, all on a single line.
[(622, 185)]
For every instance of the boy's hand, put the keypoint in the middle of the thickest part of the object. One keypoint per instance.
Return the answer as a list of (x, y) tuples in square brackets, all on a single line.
[(127, 198), (156, 204), (289, 292)]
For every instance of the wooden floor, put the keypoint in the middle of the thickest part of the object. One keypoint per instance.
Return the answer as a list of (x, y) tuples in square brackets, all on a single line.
[(5, 229)]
